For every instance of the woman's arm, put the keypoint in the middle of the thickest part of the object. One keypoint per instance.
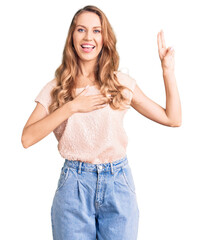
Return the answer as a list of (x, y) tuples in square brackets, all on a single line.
[(39, 125), (173, 105), (171, 116)]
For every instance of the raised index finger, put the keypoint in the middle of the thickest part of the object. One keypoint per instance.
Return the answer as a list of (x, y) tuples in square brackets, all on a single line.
[(159, 41), (162, 39)]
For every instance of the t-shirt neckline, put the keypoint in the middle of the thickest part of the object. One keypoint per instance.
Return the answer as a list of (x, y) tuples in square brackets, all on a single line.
[(92, 86)]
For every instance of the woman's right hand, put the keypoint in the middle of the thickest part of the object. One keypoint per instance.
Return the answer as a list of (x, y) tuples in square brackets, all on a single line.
[(82, 103)]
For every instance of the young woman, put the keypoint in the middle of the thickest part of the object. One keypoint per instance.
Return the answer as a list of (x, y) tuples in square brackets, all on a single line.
[(95, 195)]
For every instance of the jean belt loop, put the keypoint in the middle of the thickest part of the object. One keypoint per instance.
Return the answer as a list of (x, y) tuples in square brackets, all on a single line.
[(79, 170), (112, 168)]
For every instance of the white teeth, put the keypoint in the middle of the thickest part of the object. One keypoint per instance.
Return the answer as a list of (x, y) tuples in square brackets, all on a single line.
[(87, 46)]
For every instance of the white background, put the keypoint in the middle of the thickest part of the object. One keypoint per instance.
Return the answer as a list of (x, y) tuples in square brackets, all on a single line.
[(166, 162)]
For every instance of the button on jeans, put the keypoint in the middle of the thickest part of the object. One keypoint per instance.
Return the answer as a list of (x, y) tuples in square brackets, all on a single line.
[(95, 202)]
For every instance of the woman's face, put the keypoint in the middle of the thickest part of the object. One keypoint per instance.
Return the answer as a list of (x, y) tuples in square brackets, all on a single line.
[(87, 36)]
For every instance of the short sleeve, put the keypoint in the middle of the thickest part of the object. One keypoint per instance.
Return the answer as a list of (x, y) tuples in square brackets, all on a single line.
[(44, 96), (126, 80), (133, 83)]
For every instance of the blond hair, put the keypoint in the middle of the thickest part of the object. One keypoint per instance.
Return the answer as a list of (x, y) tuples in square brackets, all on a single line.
[(107, 64)]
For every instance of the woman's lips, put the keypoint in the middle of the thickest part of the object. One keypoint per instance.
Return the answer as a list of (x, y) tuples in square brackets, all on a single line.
[(87, 49)]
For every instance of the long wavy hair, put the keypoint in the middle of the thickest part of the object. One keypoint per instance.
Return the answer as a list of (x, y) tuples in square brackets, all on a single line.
[(107, 63)]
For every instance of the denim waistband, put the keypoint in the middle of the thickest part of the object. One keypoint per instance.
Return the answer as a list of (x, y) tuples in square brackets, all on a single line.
[(90, 167)]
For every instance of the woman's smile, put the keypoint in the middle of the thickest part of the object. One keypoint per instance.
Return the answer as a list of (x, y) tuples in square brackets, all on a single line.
[(87, 48)]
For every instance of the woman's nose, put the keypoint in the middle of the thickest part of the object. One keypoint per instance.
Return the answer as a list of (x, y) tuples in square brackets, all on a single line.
[(88, 35)]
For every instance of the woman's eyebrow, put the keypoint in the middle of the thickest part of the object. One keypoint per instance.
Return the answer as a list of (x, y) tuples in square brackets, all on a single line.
[(85, 27)]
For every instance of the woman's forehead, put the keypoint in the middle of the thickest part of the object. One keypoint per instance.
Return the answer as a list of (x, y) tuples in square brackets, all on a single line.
[(88, 19)]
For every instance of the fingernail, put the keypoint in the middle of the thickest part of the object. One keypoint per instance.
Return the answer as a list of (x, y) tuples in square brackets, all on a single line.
[(171, 49), (87, 86)]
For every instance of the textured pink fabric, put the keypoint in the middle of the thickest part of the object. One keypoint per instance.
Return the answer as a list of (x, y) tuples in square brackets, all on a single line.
[(95, 137)]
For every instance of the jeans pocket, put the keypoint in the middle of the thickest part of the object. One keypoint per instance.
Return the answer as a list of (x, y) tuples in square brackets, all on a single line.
[(64, 175), (128, 178)]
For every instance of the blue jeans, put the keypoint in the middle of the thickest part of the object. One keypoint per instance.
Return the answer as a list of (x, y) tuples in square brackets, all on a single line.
[(95, 201)]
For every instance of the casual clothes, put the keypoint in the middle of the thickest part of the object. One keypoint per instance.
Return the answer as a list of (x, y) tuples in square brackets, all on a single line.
[(97, 136), (95, 197), (95, 202)]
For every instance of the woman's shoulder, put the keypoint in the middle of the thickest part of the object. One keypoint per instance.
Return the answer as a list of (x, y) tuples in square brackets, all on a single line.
[(48, 86), (51, 83), (46, 89), (125, 79)]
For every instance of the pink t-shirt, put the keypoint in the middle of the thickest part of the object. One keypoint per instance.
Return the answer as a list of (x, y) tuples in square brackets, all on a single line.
[(94, 137)]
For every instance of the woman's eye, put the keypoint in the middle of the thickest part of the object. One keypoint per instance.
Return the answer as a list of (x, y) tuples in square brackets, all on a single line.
[(81, 30)]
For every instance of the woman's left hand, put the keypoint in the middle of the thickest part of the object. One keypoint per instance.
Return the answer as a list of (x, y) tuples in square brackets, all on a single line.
[(166, 55)]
